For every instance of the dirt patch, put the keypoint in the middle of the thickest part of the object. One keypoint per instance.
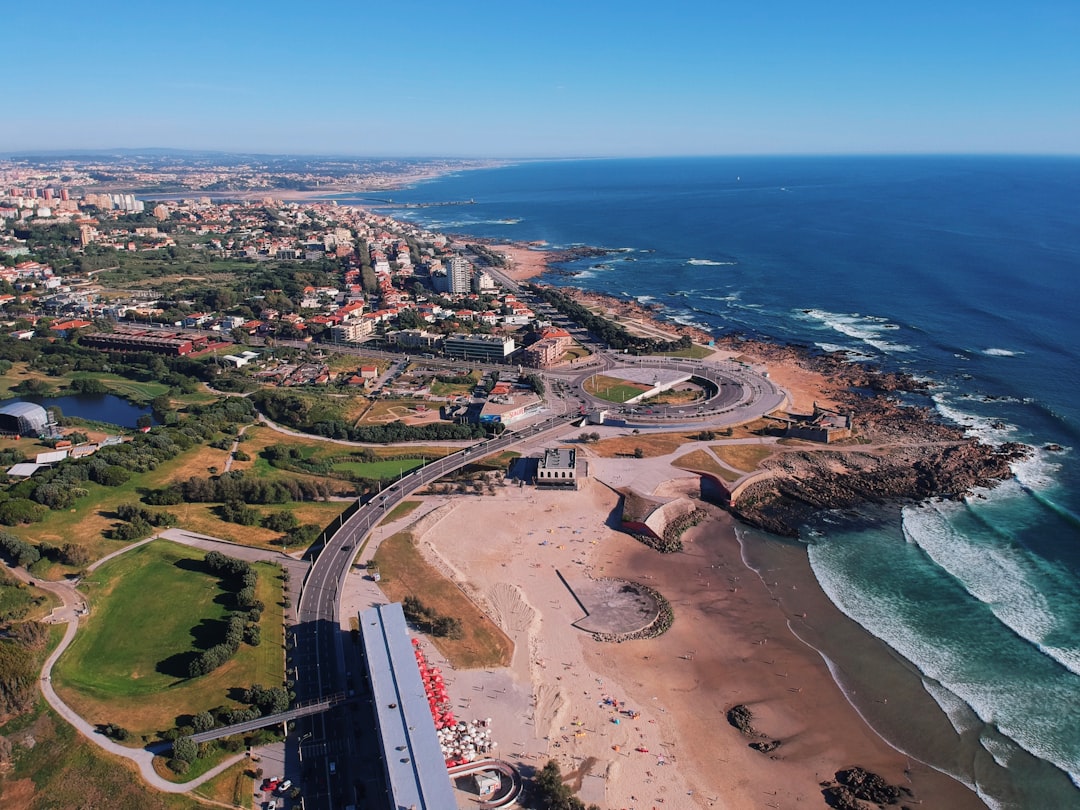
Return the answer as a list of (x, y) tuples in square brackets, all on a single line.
[(652, 445), (17, 793)]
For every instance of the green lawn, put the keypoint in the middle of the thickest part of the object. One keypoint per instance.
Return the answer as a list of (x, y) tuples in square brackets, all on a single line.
[(379, 469), (695, 351), (152, 610), (132, 390), (613, 389)]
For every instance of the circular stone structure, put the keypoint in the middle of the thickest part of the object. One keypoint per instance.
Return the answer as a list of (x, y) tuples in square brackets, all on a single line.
[(23, 418), (615, 607)]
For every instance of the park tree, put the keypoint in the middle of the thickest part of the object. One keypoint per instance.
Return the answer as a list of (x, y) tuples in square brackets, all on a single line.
[(185, 749)]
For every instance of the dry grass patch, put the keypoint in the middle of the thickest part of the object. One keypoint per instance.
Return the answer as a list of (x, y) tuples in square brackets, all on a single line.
[(405, 572), (202, 518), (232, 787), (745, 457), (701, 461), (383, 411), (651, 444)]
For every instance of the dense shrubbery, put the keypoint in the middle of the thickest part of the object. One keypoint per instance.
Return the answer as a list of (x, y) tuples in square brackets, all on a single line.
[(14, 511), (21, 649), (292, 409), (18, 551), (234, 487), (616, 336), (139, 522), (425, 618)]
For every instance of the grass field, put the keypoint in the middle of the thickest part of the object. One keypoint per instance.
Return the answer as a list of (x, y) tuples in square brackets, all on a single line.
[(202, 518), (443, 389), (745, 457), (132, 390), (380, 469), (701, 461), (401, 510), (383, 411), (652, 445), (151, 611), (229, 785), (695, 352), (613, 389), (406, 573)]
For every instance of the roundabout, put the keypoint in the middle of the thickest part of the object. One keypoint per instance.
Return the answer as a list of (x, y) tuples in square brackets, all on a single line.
[(734, 392)]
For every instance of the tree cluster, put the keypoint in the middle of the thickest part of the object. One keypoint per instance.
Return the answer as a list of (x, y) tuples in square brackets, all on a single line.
[(611, 333), (289, 408), (138, 522), (18, 551), (553, 793), (234, 487), (424, 617)]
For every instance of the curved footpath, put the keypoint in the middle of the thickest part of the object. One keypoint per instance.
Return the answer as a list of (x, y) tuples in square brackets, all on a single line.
[(73, 605)]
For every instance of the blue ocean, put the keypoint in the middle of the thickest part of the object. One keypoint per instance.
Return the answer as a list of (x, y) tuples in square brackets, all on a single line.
[(964, 271)]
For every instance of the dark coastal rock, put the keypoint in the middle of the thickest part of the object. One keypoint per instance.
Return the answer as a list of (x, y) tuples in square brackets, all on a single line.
[(854, 785), (743, 719), (1053, 448), (909, 453), (766, 747), (581, 252)]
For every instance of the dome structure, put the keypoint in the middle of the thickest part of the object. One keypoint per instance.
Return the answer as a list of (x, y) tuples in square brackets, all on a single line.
[(23, 418)]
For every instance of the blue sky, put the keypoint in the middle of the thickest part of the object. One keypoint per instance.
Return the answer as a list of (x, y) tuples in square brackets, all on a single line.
[(520, 78)]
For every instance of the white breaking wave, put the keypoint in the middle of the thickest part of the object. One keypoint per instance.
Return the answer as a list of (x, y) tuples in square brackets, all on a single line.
[(984, 428), (853, 354), (710, 262), (1021, 714), (1007, 578), (866, 328), (1038, 471), (1001, 353)]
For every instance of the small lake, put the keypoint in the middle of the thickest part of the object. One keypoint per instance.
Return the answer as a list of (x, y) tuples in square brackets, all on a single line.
[(97, 407)]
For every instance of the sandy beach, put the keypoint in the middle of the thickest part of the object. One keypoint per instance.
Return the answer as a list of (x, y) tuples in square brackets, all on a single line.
[(733, 641)]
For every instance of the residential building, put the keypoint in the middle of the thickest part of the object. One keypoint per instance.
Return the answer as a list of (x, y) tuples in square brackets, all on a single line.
[(459, 276)]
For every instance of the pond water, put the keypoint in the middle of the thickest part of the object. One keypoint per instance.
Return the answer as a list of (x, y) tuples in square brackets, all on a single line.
[(97, 407)]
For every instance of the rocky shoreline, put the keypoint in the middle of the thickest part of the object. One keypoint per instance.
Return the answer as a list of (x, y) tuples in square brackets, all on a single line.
[(902, 453), (905, 453)]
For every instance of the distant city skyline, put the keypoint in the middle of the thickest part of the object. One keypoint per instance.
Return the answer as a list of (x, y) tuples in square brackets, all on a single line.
[(506, 80)]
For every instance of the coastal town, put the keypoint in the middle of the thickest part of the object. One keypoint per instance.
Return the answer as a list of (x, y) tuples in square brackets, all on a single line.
[(298, 357)]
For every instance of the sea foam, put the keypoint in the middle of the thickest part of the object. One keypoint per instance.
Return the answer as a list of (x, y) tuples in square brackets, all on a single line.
[(1015, 584), (915, 611), (865, 328)]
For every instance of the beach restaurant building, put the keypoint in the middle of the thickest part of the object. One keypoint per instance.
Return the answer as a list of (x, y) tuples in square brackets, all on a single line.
[(558, 469)]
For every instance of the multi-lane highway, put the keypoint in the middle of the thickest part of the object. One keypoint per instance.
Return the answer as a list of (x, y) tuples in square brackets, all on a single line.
[(323, 662)]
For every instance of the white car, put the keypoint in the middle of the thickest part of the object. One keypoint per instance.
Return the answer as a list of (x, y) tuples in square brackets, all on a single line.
[(284, 786)]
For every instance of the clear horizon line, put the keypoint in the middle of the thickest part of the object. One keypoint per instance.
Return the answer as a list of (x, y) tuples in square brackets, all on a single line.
[(62, 152)]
